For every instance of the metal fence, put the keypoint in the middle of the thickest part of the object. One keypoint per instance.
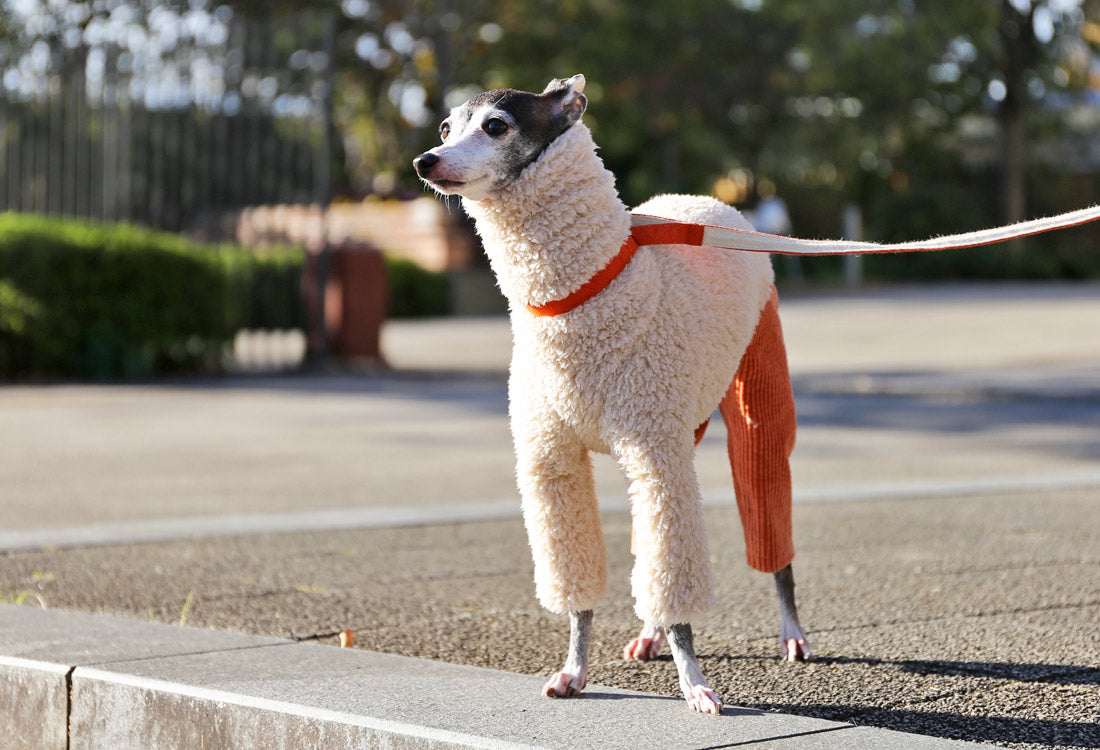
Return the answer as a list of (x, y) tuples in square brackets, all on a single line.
[(93, 141)]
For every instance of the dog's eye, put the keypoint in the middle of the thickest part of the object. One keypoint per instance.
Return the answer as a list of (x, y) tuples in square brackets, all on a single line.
[(444, 131), (495, 127)]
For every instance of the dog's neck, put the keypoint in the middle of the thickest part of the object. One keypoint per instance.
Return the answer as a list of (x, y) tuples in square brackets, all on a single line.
[(559, 223)]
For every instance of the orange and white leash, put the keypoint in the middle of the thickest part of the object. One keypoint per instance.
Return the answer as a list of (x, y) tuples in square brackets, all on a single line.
[(653, 230)]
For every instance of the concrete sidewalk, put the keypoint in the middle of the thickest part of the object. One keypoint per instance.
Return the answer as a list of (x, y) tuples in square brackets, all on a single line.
[(942, 618), (948, 488), (82, 681)]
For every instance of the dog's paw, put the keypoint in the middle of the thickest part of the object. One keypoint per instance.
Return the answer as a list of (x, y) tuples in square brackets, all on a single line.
[(642, 649), (564, 685), (646, 646), (797, 649), (793, 644), (704, 700)]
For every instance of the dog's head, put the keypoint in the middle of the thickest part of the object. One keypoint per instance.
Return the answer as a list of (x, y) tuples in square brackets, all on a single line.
[(489, 140)]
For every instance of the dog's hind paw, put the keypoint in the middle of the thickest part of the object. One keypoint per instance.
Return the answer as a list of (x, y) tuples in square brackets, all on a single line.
[(642, 649), (564, 685), (646, 646), (704, 700), (797, 649)]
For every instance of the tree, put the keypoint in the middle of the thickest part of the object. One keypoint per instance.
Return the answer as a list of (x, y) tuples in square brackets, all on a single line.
[(827, 102)]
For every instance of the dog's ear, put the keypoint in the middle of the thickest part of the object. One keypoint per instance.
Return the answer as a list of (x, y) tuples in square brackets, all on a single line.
[(565, 98)]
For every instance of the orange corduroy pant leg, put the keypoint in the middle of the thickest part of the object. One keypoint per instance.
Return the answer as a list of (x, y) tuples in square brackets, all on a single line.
[(758, 410)]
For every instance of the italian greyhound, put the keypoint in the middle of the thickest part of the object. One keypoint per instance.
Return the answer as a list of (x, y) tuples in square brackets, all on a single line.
[(617, 350)]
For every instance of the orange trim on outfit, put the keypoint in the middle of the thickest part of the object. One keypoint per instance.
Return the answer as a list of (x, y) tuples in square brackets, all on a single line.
[(649, 234), (758, 408), (669, 234), (592, 287)]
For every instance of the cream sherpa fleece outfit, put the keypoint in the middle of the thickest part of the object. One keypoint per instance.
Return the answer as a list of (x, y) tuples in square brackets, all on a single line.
[(634, 371)]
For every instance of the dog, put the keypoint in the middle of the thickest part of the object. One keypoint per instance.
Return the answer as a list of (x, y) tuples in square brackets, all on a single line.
[(628, 351)]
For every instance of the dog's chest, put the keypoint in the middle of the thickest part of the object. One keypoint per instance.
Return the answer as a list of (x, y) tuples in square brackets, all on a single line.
[(594, 368), (572, 374)]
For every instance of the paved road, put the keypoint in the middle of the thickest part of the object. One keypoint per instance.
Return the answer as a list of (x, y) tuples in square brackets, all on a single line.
[(964, 384), (88, 463), (958, 598)]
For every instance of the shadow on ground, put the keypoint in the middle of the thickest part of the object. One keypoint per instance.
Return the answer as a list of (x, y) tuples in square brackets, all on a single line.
[(953, 726), (970, 722)]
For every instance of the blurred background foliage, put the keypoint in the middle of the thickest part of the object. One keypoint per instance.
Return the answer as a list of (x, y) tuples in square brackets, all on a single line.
[(845, 100), (106, 301), (930, 116)]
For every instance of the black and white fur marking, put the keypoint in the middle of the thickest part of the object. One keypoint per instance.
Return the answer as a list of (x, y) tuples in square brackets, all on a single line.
[(489, 140)]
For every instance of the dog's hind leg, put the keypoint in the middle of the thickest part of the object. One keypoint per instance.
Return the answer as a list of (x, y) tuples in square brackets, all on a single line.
[(573, 676), (792, 640), (698, 693), (760, 422), (647, 645)]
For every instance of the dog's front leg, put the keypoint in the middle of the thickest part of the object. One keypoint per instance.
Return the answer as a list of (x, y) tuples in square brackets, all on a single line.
[(574, 675), (792, 639), (671, 580), (672, 577), (563, 527), (692, 682), (562, 518)]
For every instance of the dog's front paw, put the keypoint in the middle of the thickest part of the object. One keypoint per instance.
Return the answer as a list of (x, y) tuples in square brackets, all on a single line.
[(564, 685), (703, 699)]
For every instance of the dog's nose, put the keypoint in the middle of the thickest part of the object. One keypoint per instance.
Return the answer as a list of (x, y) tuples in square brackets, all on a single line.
[(424, 163)]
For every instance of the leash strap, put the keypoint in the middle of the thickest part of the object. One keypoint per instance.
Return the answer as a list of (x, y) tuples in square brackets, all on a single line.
[(653, 230)]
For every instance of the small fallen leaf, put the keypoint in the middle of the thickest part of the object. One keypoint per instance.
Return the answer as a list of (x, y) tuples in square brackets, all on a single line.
[(306, 589), (186, 607)]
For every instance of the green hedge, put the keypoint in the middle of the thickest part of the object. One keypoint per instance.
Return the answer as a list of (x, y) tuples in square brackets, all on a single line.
[(415, 292), (108, 301)]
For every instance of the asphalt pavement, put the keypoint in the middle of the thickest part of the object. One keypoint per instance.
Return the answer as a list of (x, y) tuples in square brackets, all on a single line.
[(947, 522)]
